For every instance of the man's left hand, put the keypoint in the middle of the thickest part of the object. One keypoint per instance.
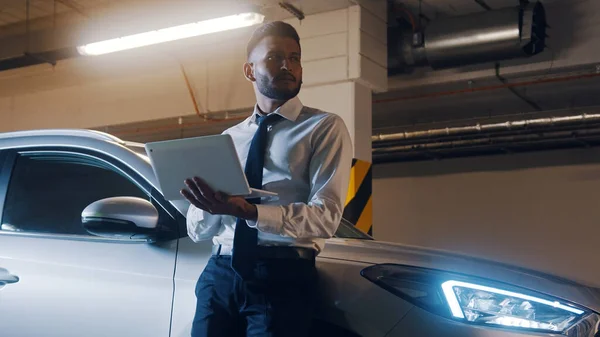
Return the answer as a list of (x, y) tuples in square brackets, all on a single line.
[(205, 198)]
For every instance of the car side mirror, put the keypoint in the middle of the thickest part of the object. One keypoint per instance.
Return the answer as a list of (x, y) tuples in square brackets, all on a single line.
[(121, 218)]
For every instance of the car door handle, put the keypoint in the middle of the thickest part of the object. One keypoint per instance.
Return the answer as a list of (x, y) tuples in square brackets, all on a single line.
[(6, 278)]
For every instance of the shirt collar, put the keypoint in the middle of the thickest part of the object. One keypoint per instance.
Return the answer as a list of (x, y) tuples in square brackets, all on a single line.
[(290, 110)]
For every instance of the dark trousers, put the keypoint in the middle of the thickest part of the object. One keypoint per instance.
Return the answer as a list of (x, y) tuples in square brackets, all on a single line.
[(277, 302)]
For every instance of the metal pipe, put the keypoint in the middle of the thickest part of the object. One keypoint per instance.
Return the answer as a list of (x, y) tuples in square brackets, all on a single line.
[(492, 127), (489, 141), (521, 135)]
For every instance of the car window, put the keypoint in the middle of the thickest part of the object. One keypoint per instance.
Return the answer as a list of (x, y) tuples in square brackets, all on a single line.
[(48, 191)]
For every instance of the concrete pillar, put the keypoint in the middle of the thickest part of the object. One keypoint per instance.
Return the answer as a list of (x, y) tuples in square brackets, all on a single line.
[(359, 68), (352, 64), (352, 101)]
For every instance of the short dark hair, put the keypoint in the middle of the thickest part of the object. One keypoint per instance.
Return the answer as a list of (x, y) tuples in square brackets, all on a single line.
[(275, 28)]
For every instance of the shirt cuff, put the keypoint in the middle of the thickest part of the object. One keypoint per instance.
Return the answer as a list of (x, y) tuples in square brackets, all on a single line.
[(270, 219)]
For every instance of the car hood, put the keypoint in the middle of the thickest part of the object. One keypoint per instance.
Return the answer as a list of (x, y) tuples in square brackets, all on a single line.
[(375, 252)]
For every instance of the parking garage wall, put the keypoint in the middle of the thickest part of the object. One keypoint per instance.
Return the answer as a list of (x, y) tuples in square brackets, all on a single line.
[(538, 210)]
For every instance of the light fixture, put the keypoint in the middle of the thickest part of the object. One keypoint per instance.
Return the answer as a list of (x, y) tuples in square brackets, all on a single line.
[(172, 33), (477, 301)]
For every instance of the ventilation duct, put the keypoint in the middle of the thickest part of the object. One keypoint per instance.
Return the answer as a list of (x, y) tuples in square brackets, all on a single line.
[(469, 39)]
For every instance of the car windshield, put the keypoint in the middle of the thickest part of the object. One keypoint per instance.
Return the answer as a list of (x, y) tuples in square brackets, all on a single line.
[(347, 231), (138, 149)]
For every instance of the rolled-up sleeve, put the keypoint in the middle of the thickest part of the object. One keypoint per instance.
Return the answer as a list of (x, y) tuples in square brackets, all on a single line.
[(204, 226), (329, 171)]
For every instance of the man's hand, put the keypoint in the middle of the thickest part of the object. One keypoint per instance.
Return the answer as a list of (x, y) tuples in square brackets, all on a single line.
[(205, 198)]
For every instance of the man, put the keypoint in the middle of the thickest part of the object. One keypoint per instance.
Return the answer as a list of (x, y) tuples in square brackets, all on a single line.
[(261, 279)]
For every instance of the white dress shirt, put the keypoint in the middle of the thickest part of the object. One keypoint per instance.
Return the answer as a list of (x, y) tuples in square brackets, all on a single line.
[(307, 163)]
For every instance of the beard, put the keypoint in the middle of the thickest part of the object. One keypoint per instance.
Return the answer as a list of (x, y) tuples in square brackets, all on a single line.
[(266, 88)]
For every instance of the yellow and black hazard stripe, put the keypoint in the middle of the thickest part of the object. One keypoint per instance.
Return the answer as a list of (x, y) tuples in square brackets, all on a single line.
[(359, 202)]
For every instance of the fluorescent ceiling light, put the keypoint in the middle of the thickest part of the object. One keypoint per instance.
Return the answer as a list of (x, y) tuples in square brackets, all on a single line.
[(171, 34)]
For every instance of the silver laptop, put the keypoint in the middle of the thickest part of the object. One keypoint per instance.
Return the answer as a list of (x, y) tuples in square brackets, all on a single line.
[(211, 158)]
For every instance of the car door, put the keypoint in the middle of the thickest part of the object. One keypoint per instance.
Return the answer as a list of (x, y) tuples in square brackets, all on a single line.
[(58, 280)]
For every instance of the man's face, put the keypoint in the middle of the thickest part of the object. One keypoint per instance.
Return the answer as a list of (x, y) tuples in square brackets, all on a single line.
[(277, 67)]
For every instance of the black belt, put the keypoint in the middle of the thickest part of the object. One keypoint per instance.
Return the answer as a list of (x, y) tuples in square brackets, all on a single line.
[(271, 252)]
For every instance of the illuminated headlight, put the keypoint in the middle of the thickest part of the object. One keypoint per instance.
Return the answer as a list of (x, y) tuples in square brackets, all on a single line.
[(488, 305), (476, 301)]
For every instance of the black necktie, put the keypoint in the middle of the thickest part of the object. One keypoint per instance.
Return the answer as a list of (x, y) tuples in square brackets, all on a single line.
[(245, 240)]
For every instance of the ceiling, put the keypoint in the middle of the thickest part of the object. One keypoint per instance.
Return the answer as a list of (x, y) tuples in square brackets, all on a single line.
[(459, 95), (119, 17), (45, 15), (15, 11)]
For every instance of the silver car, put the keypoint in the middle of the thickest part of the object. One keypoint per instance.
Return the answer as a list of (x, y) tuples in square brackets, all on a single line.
[(89, 247)]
